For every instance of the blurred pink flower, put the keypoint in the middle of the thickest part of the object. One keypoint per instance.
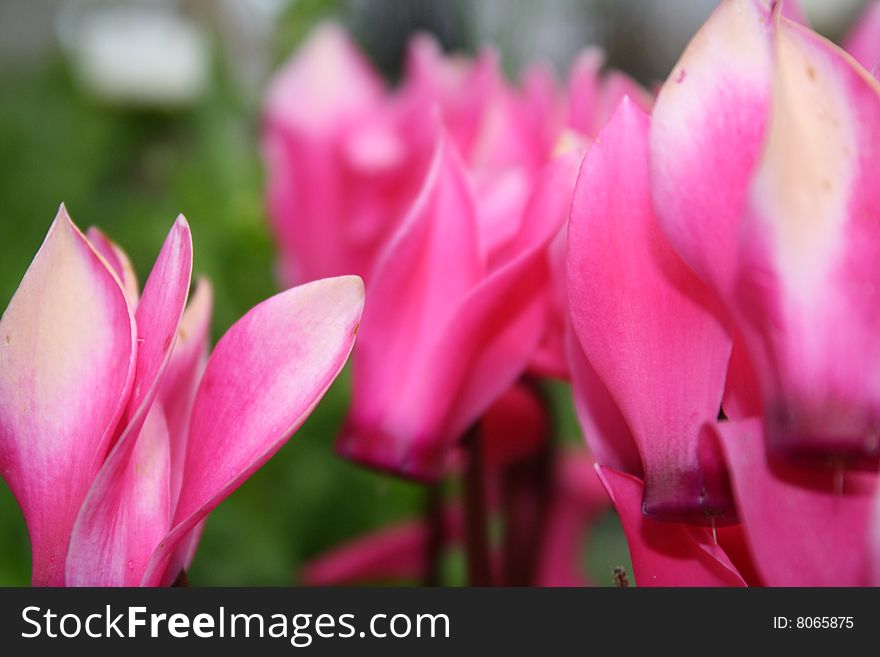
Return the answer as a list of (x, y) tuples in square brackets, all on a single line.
[(456, 307), (399, 553), (117, 438), (347, 156)]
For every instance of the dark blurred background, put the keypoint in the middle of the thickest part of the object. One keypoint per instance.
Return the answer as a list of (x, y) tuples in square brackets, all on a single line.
[(130, 112)]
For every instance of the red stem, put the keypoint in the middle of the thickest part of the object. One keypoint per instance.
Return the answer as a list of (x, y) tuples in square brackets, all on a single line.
[(476, 534), (436, 534)]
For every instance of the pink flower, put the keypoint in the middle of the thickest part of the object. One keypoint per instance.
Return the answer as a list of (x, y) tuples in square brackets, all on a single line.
[(766, 181), (650, 346), (456, 308), (763, 181), (347, 156), (116, 437), (339, 175)]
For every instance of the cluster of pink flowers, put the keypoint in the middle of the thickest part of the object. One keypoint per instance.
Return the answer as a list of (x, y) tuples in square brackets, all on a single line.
[(702, 266)]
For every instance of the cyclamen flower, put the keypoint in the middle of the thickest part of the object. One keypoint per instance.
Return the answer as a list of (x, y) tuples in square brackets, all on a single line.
[(456, 308), (347, 156), (762, 177), (781, 225), (116, 437), (650, 347)]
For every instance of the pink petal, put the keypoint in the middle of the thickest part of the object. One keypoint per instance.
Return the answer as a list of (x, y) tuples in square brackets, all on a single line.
[(435, 309), (742, 395), (615, 87), (127, 510), (708, 130), (863, 42), (158, 316), (324, 85), (733, 541), (184, 371), (804, 527), (126, 513), (649, 328), (664, 553), (319, 131), (543, 106), (67, 350), (550, 359), (583, 91), (793, 11), (515, 426), (497, 328), (460, 89), (178, 390), (263, 379), (395, 553), (806, 290), (604, 427), (118, 261), (416, 288)]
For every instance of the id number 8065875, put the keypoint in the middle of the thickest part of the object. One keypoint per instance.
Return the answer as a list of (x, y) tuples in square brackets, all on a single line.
[(813, 622)]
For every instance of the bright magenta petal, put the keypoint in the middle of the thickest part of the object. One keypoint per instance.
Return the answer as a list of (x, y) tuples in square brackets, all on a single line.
[(810, 244), (804, 527), (647, 325), (707, 133), (431, 265), (604, 427), (863, 42), (67, 349), (126, 513), (159, 312), (181, 378), (663, 553), (498, 327), (264, 377), (158, 318), (742, 395)]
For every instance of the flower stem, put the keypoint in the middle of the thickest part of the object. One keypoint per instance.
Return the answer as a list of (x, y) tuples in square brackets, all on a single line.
[(436, 534), (527, 489), (476, 534)]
